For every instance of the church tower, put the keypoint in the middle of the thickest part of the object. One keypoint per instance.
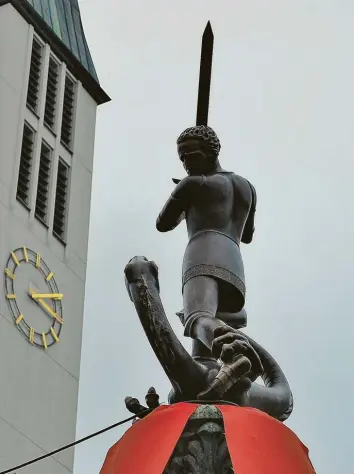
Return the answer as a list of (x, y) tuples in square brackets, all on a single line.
[(49, 93)]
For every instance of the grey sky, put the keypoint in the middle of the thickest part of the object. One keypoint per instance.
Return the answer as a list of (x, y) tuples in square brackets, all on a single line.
[(282, 104)]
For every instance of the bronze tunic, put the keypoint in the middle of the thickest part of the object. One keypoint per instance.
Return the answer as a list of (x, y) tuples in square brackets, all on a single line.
[(215, 254)]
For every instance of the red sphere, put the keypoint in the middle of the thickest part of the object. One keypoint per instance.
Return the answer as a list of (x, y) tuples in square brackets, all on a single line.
[(257, 443)]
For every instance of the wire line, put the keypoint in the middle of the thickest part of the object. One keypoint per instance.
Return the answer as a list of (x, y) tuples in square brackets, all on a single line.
[(97, 433), (67, 446)]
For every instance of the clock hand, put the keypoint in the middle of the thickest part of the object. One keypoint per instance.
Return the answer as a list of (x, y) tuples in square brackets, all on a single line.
[(46, 307), (50, 311), (54, 296)]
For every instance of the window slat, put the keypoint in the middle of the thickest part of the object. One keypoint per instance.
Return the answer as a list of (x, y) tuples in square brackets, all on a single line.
[(26, 161), (41, 210), (68, 112), (52, 92), (61, 197), (34, 76)]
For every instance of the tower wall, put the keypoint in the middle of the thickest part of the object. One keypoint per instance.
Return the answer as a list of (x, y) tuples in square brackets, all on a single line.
[(39, 386)]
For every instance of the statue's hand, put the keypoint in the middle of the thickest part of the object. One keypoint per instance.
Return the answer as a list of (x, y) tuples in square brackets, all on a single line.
[(240, 367), (230, 343), (186, 187)]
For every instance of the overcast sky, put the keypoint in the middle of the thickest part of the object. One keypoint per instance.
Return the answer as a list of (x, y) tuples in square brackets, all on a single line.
[(282, 104)]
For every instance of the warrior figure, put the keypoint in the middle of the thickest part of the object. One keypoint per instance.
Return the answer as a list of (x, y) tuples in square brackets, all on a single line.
[(219, 208)]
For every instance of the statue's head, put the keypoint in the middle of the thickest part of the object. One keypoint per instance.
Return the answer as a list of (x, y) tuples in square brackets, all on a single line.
[(198, 148)]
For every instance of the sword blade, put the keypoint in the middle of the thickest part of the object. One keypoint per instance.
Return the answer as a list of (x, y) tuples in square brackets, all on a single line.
[(206, 60)]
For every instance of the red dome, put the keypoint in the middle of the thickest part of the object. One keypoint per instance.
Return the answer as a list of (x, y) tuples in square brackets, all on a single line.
[(258, 444)]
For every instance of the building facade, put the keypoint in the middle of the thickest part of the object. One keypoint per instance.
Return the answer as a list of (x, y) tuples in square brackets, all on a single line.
[(49, 93)]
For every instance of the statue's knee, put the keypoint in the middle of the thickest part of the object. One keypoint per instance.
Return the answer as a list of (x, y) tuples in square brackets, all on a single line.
[(191, 319)]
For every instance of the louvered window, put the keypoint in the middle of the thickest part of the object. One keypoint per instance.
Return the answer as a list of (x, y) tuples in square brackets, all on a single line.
[(34, 76), (43, 182), (61, 200), (25, 170), (52, 91), (68, 112)]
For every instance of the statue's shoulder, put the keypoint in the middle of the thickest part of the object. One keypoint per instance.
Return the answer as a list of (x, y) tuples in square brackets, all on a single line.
[(242, 185), (239, 180)]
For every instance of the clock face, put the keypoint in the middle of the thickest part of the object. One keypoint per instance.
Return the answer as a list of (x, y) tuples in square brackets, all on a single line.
[(33, 297)]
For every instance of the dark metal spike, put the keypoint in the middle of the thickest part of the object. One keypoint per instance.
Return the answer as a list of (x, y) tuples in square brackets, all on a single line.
[(206, 59), (208, 29)]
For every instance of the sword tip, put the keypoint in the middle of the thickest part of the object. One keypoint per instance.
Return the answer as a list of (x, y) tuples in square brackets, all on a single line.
[(208, 29)]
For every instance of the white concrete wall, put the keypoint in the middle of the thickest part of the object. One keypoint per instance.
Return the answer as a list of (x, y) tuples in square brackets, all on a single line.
[(39, 388)]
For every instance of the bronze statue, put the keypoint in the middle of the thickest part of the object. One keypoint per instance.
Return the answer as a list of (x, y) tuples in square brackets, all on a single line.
[(219, 209)]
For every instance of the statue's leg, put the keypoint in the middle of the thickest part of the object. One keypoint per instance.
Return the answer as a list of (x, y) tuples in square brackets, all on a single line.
[(200, 301)]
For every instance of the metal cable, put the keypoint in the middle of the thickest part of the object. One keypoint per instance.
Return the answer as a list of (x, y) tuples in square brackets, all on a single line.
[(67, 446), (97, 433)]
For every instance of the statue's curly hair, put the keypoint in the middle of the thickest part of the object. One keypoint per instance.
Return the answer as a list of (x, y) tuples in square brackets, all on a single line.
[(202, 132)]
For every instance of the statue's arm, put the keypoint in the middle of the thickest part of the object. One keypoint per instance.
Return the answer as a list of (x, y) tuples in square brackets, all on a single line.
[(171, 215), (173, 211), (249, 228)]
